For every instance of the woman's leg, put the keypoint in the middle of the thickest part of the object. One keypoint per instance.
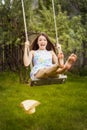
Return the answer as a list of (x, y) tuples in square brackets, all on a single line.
[(46, 72), (61, 59), (72, 58), (55, 70)]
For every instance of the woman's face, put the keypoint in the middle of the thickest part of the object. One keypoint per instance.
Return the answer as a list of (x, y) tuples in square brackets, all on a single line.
[(42, 42)]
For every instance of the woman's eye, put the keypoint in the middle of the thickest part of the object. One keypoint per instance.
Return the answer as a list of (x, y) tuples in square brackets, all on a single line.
[(42, 40)]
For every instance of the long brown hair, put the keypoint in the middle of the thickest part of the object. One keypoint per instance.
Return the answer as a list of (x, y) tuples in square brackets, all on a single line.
[(50, 46)]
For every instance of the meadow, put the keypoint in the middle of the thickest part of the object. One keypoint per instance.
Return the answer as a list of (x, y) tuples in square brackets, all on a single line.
[(63, 106)]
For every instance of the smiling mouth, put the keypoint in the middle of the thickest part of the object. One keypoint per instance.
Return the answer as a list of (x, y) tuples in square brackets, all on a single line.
[(42, 45)]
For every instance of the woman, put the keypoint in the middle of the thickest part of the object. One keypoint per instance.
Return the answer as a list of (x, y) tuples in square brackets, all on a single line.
[(45, 62)]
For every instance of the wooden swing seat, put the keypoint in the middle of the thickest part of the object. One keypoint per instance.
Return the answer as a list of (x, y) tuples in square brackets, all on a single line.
[(48, 81)]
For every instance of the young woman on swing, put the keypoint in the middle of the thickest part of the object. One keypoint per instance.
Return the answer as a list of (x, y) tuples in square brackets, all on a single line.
[(45, 61)]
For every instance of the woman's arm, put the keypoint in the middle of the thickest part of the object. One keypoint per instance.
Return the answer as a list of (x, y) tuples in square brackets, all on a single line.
[(54, 57), (27, 55)]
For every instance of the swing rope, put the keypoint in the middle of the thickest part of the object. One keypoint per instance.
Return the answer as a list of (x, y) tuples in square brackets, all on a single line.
[(25, 26), (55, 21), (55, 25)]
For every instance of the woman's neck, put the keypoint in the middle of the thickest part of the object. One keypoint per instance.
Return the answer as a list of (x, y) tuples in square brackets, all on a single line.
[(42, 49)]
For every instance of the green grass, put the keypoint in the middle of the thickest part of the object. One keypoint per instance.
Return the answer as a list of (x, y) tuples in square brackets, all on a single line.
[(63, 106)]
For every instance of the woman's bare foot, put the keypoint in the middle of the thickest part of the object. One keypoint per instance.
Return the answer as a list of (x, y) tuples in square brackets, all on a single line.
[(72, 58), (61, 59)]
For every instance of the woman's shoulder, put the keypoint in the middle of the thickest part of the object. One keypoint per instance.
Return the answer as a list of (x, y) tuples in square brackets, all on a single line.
[(32, 51), (52, 52)]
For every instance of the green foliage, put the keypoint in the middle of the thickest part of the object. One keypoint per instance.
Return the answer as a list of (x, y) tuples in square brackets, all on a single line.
[(39, 20), (70, 30), (83, 71), (10, 21), (74, 34)]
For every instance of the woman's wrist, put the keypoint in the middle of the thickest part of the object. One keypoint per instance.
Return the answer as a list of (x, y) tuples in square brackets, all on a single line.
[(26, 46)]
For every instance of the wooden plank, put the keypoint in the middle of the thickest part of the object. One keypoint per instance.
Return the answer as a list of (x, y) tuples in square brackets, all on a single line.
[(39, 82)]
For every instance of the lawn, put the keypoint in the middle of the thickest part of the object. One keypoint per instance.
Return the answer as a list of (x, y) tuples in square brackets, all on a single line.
[(63, 106)]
